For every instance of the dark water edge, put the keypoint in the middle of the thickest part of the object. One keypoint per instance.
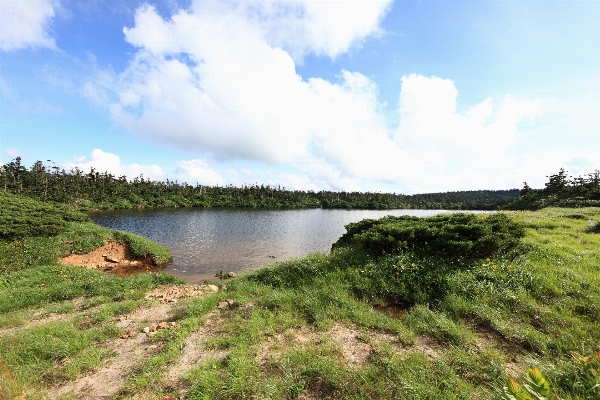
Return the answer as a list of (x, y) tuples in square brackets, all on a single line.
[(206, 241)]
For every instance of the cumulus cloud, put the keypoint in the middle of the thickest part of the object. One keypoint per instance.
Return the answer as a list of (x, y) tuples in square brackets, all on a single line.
[(213, 80), (25, 23), (197, 171), (107, 162), (326, 28), (468, 149), (429, 117), (219, 80)]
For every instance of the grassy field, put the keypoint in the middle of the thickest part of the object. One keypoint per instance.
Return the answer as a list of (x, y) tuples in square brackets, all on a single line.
[(364, 322)]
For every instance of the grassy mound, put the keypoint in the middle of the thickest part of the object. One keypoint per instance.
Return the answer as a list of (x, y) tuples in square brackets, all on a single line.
[(458, 235), (24, 217)]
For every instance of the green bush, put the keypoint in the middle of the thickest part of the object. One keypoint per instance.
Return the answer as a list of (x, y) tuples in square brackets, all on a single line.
[(22, 217), (458, 235)]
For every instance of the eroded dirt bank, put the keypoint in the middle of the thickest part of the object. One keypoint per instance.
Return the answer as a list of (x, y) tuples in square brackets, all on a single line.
[(114, 257)]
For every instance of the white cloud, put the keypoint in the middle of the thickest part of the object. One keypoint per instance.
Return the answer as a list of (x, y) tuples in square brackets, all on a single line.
[(429, 118), (219, 80), (197, 171), (470, 150), (25, 23), (107, 162), (211, 81), (323, 27)]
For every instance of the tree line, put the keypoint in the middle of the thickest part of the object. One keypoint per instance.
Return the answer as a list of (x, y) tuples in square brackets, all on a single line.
[(96, 190), (561, 190)]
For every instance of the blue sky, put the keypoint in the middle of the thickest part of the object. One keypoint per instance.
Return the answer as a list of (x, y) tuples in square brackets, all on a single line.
[(400, 96)]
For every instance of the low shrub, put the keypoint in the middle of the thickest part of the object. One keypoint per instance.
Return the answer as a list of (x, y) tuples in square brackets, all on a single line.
[(457, 235)]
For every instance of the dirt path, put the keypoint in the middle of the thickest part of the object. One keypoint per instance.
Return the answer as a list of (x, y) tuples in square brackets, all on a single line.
[(134, 346), (38, 320)]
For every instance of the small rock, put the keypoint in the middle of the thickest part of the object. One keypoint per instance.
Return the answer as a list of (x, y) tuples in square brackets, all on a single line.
[(222, 305), (134, 263), (231, 274), (111, 259), (173, 323), (213, 288), (163, 325), (146, 329)]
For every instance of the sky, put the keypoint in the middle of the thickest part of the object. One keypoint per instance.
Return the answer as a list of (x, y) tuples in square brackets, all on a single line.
[(380, 95)]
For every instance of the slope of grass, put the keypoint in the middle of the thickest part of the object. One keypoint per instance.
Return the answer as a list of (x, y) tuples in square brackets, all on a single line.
[(24, 217)]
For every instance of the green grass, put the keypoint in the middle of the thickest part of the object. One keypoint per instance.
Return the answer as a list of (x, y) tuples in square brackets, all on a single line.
[(527, 307), (33, 236), (434, 326)]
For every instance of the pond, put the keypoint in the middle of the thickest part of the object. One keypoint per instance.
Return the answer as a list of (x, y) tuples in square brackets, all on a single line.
[(206, 241)]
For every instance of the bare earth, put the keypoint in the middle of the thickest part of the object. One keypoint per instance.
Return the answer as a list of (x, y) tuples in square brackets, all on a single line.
[(114, 257)]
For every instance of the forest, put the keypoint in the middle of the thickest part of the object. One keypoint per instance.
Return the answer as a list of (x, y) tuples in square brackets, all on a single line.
[(96, 190)]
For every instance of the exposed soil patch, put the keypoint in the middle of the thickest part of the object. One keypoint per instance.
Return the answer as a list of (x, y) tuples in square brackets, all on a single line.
[(487, 338), (354, 350), (170, 294), (353, 343), (428, 346), (105, 382), (114, 257), (272, 348)]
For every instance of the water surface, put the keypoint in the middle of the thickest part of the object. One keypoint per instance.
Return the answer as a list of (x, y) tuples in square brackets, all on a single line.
[(206, 241)]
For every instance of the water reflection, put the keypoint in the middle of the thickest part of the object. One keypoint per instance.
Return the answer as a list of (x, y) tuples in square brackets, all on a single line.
[(206, 241)]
